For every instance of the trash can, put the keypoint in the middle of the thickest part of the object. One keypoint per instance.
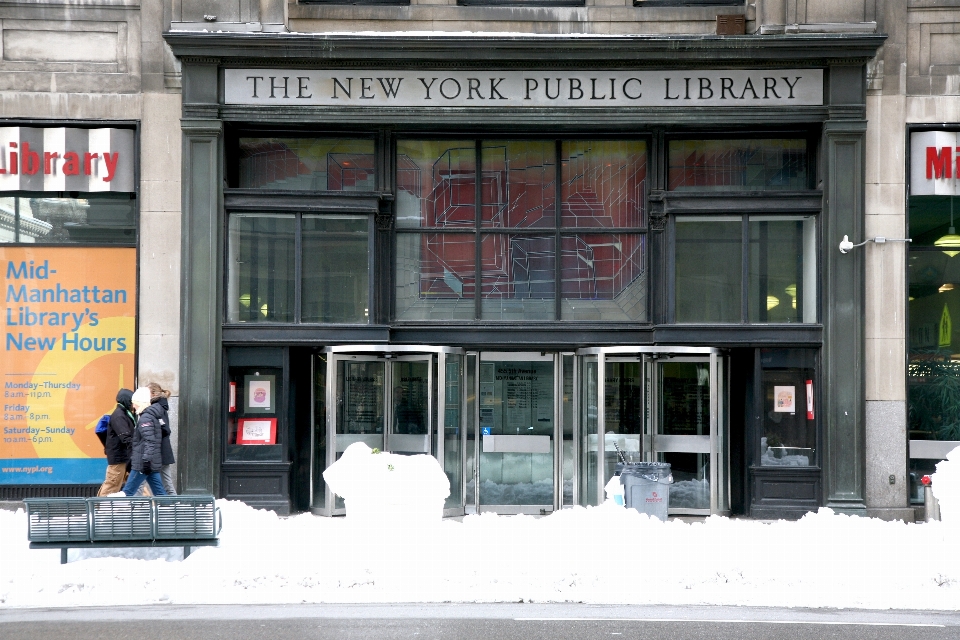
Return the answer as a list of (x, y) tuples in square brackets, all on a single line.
[(646, 487)]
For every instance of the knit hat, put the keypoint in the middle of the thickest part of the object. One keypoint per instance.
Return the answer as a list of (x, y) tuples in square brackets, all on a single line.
[(141, 396)]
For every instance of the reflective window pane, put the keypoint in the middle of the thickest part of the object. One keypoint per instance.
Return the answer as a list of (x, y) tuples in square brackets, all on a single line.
[(93, 219), (336, 269), (719, 165), (783, 265), (933, 222), (603, 183), (709, 265), (933, 371), (516, 420), (436, 183), (436, 276), (307, 164), (589, 490), (518, 277), (788, 431), (623, 414), (602, 277), (261, 268), (518, 187), (685, 411), (452, 442)]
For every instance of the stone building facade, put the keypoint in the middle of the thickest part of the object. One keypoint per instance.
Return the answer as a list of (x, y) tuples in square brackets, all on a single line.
[(887, 67)]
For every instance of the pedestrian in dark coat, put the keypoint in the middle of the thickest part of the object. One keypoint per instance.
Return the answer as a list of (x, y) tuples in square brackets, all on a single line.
[(158, 396), (145, 457), (118, 442)]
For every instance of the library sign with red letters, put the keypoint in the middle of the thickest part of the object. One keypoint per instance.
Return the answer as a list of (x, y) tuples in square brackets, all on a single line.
[(66, 159)]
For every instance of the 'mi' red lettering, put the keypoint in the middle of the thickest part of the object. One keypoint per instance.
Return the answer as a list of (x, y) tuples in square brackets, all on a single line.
[(939, 165)]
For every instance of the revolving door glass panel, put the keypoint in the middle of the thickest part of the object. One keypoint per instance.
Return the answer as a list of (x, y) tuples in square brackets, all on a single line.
[(385, 403), (516, 432), (623, 411), (682, 432)]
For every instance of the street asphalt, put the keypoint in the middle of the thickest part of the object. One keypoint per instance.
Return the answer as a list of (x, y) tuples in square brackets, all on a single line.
[(471, 621)]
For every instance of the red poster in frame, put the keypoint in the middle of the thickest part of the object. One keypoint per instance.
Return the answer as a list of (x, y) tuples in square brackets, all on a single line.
[(257, 431)]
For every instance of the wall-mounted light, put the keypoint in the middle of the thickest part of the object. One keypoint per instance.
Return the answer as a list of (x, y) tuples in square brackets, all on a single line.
[(846, 245)]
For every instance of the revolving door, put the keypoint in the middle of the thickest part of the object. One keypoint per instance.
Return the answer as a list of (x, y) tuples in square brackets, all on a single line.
[(659, 404)]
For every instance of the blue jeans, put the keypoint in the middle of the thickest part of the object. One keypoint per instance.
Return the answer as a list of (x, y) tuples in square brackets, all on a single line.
[(136, 479)]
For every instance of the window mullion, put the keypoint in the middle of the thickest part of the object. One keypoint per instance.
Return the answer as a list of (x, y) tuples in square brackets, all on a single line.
[(558, 239), (298, 269), (745, 271), (478, 239)]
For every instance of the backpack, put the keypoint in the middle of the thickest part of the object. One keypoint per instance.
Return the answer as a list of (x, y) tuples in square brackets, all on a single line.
[(102, 425)]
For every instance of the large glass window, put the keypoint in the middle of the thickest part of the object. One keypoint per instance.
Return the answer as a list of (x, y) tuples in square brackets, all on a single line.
[(298, 268), (307, 164), (51, 219), (779, 284), (721, 165), (520, 222), (782, 269), (709, 262), (262, 268), (336, 269), (788, 428), (933, 370)]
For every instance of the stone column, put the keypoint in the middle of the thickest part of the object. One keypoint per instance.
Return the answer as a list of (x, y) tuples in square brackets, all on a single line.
[(201, 309), (201, 280)]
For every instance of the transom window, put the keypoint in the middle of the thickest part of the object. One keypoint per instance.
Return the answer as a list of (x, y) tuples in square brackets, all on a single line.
[(543, 230)]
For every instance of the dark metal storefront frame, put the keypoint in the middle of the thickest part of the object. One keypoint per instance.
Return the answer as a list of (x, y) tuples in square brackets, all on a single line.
[(839, 125)]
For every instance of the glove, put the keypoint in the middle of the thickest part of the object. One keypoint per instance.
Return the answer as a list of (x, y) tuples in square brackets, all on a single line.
[(147, 468)]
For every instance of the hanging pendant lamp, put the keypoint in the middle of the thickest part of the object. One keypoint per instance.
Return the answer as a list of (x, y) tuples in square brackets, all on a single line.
[(950, 242)]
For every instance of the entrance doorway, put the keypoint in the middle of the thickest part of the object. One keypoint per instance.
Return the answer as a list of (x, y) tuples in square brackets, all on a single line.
[(528, 432), (516, 437), (391, 399), (660, 404)]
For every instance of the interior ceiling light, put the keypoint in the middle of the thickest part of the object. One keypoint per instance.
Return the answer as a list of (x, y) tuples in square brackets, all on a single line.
[(772, 301), (947, 286), (951, 241)]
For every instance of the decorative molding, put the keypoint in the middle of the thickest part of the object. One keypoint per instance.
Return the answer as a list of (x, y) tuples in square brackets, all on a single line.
[(629, 51), (197, 128), (658, 209), (384, 220)]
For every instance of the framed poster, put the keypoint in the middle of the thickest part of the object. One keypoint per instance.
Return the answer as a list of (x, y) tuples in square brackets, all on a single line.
[(259, 394), (784, 399), (61, 370), (257, 431), (233, 397)]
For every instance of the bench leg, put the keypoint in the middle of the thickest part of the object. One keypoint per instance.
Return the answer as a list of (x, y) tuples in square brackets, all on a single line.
[(63, 555), (186, 552)]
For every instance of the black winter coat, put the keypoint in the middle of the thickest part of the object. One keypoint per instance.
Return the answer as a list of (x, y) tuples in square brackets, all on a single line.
[(146, 456), (119, 436), (166, 449)]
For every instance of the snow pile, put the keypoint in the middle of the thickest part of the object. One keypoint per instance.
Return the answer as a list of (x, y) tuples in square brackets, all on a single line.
[(606, 554), (946, 487), (379, 488), (823, 560)]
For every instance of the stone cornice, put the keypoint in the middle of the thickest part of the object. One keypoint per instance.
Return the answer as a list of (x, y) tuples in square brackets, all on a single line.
[(466, 50)]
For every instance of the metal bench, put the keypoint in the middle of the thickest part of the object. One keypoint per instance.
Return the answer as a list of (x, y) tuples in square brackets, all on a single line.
[(85, 523)]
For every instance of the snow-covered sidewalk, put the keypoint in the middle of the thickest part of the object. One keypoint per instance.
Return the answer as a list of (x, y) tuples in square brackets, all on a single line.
[(393, 547), (604, 554)]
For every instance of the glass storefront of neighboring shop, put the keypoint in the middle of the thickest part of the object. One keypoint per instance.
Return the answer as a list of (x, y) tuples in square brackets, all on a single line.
[(68, 272), (489, 242), (933, 368)]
